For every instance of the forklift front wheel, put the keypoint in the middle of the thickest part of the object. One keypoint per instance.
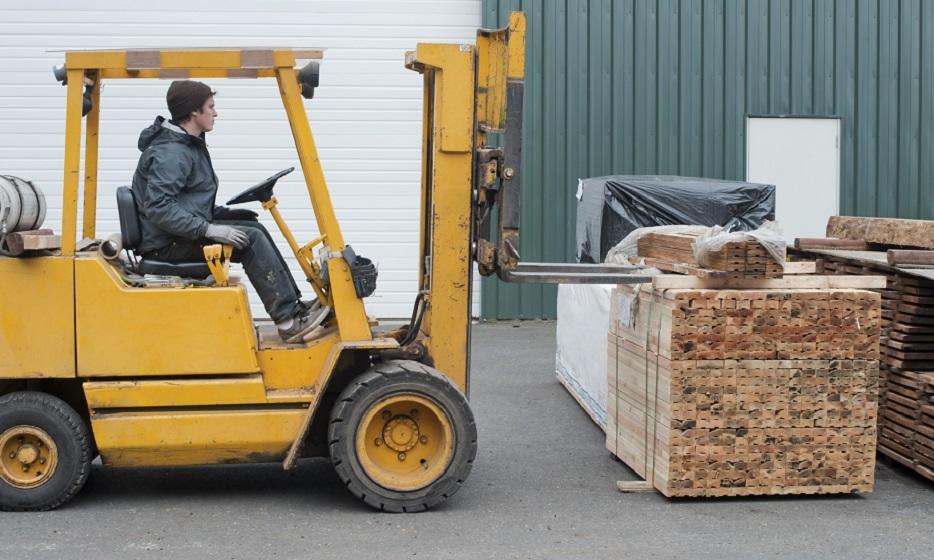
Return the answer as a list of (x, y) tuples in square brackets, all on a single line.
[(46, 452), (402, 437)]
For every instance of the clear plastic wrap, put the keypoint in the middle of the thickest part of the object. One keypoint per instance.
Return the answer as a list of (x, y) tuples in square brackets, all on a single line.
[(769, 236)]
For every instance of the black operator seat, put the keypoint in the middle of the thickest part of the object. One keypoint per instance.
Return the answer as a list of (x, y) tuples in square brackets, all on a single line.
[(131, 232)]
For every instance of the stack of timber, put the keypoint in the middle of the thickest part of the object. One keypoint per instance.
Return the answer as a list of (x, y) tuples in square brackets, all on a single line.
[(923, 443), (885, 231), (906, 433), (737, 259), (744, 392)]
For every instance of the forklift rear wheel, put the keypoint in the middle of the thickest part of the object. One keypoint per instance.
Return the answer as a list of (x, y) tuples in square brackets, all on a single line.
[(402, 437), (46, 452)]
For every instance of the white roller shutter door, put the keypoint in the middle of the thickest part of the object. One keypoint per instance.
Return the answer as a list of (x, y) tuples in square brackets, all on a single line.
[(366, 114)]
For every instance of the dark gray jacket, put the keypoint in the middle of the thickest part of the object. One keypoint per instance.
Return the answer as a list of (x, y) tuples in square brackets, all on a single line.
[(174, 184)]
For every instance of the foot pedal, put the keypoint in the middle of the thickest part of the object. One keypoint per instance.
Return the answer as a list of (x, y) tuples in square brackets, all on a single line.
[(218, 259)]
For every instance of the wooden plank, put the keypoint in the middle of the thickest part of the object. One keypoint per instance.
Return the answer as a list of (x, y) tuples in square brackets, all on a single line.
[(902, 257), (897, 456), (811, 243), (888, 231), (801, 267), (914, 330), (634, 486), (910, 338), (915, 281), (666, 281), (915, 310), (914, 299), (907, 319), (33, 240), (681, 268)]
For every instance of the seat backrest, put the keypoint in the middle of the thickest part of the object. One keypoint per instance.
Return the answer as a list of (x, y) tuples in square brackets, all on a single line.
[(130, 229)]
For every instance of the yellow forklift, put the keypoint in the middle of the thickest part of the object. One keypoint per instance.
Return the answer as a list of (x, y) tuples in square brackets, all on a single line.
[(143, 375)]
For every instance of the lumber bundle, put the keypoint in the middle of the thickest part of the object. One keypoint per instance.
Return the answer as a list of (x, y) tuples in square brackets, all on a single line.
[(744, 392), (887, 231), (737, 259), (906, 433)]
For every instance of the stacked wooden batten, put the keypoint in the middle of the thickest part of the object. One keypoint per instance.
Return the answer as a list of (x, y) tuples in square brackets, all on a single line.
[(744, 392), (906, 420), (736, 259)]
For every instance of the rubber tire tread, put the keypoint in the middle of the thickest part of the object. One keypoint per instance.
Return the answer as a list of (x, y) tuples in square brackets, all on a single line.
[(71, 437), (376, 384)]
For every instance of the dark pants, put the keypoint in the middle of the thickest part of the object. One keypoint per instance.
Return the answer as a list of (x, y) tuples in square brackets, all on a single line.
[(261, 260)]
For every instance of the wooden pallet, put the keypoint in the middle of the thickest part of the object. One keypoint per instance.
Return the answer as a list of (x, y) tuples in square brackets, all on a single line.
[(745, 392)]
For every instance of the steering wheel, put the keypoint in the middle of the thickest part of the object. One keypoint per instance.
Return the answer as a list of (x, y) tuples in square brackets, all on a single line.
[(262, 191)]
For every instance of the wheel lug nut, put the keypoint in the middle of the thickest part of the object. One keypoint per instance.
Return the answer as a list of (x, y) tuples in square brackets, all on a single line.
[(402, 456), (387, 415), (25, 468), (413, 413), (42, 460), (12, 455), (423, 439), (378, 442)]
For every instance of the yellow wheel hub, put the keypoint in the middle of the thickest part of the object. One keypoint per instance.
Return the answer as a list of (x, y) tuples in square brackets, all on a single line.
[(405, 442), (29, 456)]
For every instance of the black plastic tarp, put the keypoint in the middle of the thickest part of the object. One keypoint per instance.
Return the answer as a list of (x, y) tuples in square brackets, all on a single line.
[(609, 208)]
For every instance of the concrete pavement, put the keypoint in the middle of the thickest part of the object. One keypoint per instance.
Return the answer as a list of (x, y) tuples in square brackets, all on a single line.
[(543, 486)]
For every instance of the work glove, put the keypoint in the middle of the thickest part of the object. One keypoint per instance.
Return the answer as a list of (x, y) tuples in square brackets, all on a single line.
[(224, 213), (228, 235)]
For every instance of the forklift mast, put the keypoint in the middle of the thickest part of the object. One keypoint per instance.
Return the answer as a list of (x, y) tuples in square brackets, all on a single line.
[(470, 196)]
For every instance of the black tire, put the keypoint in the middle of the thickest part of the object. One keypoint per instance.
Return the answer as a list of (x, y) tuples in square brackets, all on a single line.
[(385, 380), (73, 446)]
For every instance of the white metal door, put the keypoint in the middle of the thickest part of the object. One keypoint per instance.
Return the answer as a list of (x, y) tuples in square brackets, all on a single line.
[(801, 157)]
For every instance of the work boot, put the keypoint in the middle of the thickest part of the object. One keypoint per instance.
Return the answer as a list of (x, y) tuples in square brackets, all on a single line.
[(309, 304), (302, 325)]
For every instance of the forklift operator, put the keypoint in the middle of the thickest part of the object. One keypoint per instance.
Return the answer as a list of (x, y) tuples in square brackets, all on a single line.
[(175, 188)]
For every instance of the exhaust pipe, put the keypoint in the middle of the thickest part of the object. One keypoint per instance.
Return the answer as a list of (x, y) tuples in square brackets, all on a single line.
[(111, 247)]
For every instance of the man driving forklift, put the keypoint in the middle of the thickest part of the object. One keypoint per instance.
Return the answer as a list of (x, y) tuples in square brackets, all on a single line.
[(175, 187)]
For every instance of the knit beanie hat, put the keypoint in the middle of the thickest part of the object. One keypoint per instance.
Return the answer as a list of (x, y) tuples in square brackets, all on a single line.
[(186, 96)]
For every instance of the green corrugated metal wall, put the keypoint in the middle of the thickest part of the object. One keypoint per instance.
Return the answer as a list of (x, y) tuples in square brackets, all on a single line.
[(663, 86)]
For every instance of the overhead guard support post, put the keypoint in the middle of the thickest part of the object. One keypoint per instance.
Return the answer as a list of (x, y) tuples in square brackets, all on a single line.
[(351, 316), (92, 133), (73, 105)]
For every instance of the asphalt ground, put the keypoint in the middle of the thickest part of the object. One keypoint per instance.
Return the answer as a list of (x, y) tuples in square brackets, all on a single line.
[(543, 486)]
